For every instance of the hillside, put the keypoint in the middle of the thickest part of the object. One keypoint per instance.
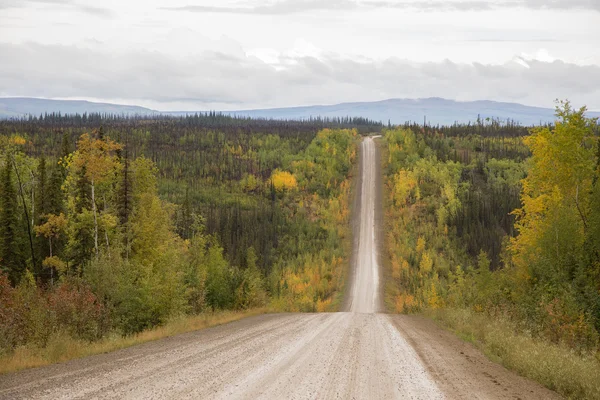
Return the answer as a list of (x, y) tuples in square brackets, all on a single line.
[(22, 106), (435, 110), (397, 111)]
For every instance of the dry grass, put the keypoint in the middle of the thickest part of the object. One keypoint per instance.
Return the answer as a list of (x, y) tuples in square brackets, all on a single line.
[(62, 348), (556, 367)]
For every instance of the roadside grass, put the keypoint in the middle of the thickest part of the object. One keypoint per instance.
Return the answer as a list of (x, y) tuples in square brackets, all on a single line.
[(575, 376), (61, 347)]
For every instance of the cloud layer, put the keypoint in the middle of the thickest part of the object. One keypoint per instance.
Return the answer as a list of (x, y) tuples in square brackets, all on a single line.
[(90, 8), (283, 7), (213, 80)]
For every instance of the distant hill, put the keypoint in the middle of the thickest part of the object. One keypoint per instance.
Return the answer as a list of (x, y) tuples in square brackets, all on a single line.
[(397, 111), (23, 106), (434, 110)]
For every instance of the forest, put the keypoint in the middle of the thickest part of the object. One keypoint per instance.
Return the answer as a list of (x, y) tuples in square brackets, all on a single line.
[(497, 235), (112, 226)]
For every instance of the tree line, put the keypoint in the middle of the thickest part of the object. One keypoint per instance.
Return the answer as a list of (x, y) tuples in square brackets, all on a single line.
[(210, 120)]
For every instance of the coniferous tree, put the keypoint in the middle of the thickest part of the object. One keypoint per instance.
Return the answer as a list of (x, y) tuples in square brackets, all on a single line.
[(41, 209), (65, 150), (41, 195), (81, 240), (124, 194), (9, 254), (185, 220), (26, 215), (125, 200), (54, 194)]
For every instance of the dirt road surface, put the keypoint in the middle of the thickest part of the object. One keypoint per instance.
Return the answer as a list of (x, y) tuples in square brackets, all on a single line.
[(357, 354), (364, 295)]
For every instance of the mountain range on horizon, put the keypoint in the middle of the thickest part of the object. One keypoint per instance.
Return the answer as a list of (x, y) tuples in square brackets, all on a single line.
[(397, 111)]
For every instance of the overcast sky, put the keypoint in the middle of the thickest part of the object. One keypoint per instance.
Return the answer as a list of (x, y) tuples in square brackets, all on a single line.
[(222, 54)]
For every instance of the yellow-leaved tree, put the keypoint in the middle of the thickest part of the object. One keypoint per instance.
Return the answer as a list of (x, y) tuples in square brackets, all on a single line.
[(97, 161), (54, 226), (283, 180), (556, 197)]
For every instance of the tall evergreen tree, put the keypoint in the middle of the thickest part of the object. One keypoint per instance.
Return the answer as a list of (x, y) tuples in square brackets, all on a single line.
[(41, 195), (124, 193), (185, 220), (40, 210), (54, 194), (65, 150), (81, 241), (9, 254), (125, 199)]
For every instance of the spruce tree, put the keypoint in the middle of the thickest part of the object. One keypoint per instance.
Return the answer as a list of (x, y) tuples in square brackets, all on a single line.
[(66, 149), (41, 209), (124, 194), (125, 201), (41, 195), (54, 194), (81, 241), (185, 220), (9, 254)]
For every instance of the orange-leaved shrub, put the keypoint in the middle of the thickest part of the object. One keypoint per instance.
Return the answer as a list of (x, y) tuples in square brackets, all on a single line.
[(77, 310), (31, 315)]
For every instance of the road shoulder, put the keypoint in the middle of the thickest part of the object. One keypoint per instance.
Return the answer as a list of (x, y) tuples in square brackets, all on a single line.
[(459, 367)]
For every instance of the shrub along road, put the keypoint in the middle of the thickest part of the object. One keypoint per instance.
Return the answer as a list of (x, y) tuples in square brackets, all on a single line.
[(360, 353)]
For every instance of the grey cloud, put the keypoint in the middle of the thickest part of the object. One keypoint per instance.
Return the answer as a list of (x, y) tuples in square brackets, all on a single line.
[(525, 40), (564, 4), (482, 5), (279, 8), (25, 3), (433, 5), (96, 11), (295, 6), (73, 4), (247, 82)]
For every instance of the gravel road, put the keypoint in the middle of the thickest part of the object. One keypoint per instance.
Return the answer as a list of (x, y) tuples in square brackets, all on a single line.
[(356, 354)]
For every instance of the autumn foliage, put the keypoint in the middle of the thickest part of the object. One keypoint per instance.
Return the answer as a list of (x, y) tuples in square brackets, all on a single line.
[(31, 315), (311, 281), (90, 245), (497, 232), (283, 180)]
